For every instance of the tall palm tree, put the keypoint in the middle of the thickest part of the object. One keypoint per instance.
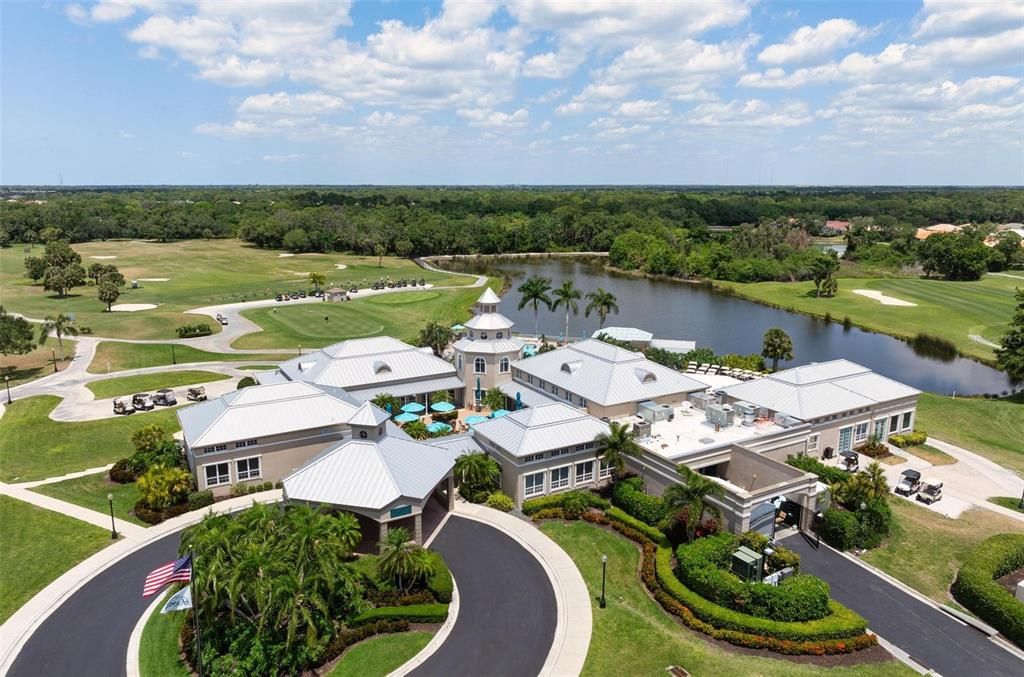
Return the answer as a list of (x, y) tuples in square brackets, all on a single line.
[(477, 469), (317, 280), (416, 430), (692, 496), (436, 337), (387, 402), (60, 326), (401, 560), (535, 293), (604, 302), (776, 345), (566, 297), (617, 444)]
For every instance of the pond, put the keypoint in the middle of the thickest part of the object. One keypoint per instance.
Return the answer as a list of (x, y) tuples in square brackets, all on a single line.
[(729, 324)]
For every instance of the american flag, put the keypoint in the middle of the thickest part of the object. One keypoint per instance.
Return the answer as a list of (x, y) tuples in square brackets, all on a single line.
[(178, 570)]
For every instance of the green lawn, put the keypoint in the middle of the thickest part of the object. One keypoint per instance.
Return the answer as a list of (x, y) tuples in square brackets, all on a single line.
[(91, 492), (927, 549), (380, 655), (112, 356), (1011, 502), (199, 272), (635, 636), (158, 648), (37, 546), (257, 367), (126, 385), (401, 315), (931, 454), (952, 310), (992, 428), (36, 363), (34, 447)]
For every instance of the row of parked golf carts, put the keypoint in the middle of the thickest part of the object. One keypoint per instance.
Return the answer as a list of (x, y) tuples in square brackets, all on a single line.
[(163, 398), (910, 483)]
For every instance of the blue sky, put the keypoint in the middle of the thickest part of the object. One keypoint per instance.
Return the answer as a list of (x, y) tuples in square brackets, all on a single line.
[(512, 91)]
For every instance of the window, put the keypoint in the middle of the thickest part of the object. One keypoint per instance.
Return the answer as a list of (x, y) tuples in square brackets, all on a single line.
[(217, 474), (860, 432), (584, 472), (529, 379), (458, 362), (362, 435), (533, 457), (534, 484), (216, 447), (812, 442), (483, 335), (479, 366), (245, 443), (894, 423), (605, 470), (503, 365), (906, 420), (568, 396), (499, 335), (585, 446), (845, 439), (559, 478), (561, 452), (582, 401), (879, 428), (248, 468)]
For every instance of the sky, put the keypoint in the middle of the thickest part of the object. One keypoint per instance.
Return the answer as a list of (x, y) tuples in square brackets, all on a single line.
[(512, 92)]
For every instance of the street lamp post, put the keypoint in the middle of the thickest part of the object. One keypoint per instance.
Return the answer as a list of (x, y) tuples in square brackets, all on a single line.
[(604, 571), (174, 360), (7, 382), (113, 527)]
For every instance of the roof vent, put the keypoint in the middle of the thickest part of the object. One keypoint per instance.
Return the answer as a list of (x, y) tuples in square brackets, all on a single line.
[(645, 376), (570, 367), (381, 368)]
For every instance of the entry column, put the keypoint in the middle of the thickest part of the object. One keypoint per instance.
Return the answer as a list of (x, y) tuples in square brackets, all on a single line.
[(383, 534), (418, 528)]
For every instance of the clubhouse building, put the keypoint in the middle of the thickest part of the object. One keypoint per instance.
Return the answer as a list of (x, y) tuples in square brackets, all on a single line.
[(310, 425)]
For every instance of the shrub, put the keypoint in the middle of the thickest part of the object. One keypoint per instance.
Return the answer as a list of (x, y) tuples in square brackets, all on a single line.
[(500, 501), (620, 516), (122, 473), (349, 636), (826, 474), (840, 529), (193, 330), (200, 499), (911, 439), (628, 494), (876, 522), (440, 582), (557, 500), (548, 514), (977, 589), (161, 487), (414, 613), (783, 557), (245, 382), (575, 504), (267, 486)]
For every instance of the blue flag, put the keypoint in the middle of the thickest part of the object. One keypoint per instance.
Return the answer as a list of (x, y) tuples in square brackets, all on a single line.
[(179, 601)]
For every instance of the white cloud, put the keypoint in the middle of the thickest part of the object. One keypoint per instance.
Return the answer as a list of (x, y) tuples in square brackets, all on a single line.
[(555, 65), (811, 44), (644, 108), (389, 119), (282, 103), (945, 18), (290, 157), (125, 134), (751, 113), (479, 117)]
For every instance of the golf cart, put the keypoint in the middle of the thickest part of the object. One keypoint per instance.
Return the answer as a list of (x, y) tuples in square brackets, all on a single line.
[(931, 491), (197, 394), (142, 402), (165, 398), (222, 318), (121, 406), (909, 484), (849, 461)]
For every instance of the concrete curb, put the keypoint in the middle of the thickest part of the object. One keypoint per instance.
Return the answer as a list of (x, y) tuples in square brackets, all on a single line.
[(132, 667), (436, 641)]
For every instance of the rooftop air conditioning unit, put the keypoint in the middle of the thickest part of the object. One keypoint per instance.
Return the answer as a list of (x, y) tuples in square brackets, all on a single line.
[(747, 411), (720, 415), (641, 430), (700, 399)]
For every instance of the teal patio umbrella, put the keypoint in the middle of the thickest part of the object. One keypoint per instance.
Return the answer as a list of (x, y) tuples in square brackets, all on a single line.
[(519, 400), (407, 418), (413, 408), (500, 412), (473, 420), (438, 427), (442, 407)]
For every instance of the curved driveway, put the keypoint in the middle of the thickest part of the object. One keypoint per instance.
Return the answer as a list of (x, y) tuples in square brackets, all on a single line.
[(506, 621)]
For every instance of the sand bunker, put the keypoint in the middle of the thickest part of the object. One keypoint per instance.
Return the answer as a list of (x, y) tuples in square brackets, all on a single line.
[(154, 279), (884, 299), (284, 255), (103, 258), (132, 307), (340, 266)]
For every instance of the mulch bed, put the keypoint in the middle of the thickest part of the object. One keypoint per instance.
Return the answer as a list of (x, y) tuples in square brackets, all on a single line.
[(1010, 580)]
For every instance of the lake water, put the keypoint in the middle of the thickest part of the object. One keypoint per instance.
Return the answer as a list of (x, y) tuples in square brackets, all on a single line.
[(728, 324)]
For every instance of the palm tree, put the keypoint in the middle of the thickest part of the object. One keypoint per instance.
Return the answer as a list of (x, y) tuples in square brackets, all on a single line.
[(317, 280), (59, 326), (777, 345), (401, 560), (604, 302), (566, 296), (440, 396), (416, 430), (387, 402), (436, 337), (494, 399), (617, 445), (692, 497), (535, 293), (477, 470)]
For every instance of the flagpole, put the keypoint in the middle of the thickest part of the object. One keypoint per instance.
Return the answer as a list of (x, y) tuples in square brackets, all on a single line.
[(195, 614)]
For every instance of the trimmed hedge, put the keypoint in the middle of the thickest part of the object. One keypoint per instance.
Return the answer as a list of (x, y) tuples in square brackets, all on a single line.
[(840, 529), (440, 583), (413, 613), (556, 500), (911, 439), (121, 472), (977, 589), (622, 517), (500, 501), (200, 499), (150, 516), (825, 473), (628, 494)]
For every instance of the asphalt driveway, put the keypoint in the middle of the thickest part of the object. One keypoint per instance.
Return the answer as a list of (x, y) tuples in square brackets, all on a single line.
[(930, 636), (507, 610)]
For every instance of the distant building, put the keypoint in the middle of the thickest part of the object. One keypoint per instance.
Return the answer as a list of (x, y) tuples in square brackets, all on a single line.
[(925, 233), (642, 340), (836, 227)]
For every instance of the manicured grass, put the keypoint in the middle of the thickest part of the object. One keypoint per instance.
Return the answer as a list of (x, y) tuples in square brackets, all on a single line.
[(635, 636), (926, 549), (91, 492), (992, 428), (931, 454), (257, 367), (380, 655), (112, 356), (36, 363), (1011, 502), (158, 648), (952, 310), (37, 546), (34, 447), (200, 273), (126, 385), (400, 314)]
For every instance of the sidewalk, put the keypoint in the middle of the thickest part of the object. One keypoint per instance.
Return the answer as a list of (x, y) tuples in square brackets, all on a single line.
[(99, 519)]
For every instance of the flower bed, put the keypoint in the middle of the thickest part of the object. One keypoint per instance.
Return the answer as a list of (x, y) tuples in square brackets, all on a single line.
[(977, 589)]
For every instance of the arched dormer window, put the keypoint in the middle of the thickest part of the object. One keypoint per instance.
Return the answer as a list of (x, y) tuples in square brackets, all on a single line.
[(503, 365), (646, 376), (479, 366), (380, 368)]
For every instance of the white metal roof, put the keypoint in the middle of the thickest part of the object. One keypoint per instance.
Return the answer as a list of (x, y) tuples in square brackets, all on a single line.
[(548, 426), (822, 389), (365, 363), (261, 410), (368, 415), (624, 334), (489, 322), (529, 396), (489, 347), (674, 345), (606, 374), (489, 297), (370, 474), (409, 388)]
